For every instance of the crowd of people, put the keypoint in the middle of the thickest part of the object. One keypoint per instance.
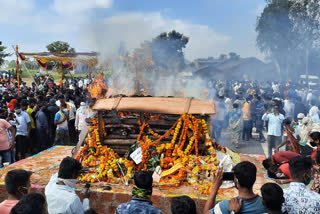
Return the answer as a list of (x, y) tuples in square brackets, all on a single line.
[(36, 118), (60, 196), (41, 117)]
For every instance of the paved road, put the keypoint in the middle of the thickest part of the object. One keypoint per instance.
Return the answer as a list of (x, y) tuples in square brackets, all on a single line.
[(247, 147)]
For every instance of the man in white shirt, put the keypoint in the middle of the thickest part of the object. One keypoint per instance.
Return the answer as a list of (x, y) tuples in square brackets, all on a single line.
[(60, 194), (274, 128), (71, 122), (81, 115), (23, 131), (314, 111), (299, 199)]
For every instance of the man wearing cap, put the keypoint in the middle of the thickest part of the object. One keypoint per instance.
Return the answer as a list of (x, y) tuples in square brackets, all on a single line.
[(81, 115), (299, 107)]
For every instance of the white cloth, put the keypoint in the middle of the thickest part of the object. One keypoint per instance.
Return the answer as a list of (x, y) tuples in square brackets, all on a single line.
[(81, 115), (72, 110), (63, 199), (275, 123), (228, 104), (289, 109), (80, 83)]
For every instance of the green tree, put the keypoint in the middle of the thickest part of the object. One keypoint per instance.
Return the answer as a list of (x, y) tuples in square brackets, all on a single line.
[(2, 53), (275, 34), (305, 15), (59, 46), (167, 50)]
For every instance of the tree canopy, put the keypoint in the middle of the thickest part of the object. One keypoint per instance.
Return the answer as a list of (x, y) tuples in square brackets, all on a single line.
[(167, 50), (59, 46), (287, 30), (2, 53)]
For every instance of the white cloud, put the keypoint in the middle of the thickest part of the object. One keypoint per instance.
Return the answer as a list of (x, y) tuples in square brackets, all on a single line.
[(14, 10), (134, 28), (75, 6)]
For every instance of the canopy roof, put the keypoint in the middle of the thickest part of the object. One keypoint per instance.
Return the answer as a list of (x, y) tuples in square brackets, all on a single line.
[(89, 59), (160, 105)]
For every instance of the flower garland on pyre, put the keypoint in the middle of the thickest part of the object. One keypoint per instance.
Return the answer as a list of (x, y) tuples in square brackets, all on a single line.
[(179, 159)]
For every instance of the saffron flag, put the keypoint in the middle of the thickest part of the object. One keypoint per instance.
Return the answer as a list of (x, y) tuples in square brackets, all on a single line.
[(22, 57), (42, 62)]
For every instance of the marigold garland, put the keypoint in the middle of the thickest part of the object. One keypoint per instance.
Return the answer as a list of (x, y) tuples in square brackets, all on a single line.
[(106, 165)]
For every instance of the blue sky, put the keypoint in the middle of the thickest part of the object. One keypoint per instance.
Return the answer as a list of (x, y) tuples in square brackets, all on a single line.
[(214, 26)]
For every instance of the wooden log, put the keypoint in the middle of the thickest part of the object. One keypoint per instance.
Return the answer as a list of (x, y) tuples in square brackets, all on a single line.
[(127, 142)]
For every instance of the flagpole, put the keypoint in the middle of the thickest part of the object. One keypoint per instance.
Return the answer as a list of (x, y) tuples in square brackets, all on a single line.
[(18, 72), (61, 76), (25, 67)]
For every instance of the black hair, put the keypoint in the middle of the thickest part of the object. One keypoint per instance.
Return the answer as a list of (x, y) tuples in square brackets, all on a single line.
[(235, 105), (24, 103), (299, 98), (272, 195), (16, 178), (33, 203), (315, 136), (246, 173), (299, 165), (143, 180), (90, 211), (272, 171), (313, 102), (267, 163), (258, 98), (63, 105), (183, 205), (17, 105), (61, 97), (68, 167), (287, 121)]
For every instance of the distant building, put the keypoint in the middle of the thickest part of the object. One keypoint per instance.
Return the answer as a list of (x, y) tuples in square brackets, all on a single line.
[(234, 68)]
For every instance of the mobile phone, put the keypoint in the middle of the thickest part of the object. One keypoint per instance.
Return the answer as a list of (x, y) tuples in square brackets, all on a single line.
[(228, 176), (86, 188)]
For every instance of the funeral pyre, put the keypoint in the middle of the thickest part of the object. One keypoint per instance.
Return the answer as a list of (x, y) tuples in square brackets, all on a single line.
[(178, 150)]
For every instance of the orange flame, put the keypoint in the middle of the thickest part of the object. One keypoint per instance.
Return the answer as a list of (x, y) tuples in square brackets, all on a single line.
[(97, 88)]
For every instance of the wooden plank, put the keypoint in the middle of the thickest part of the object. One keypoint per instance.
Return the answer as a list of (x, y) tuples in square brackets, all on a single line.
[(161, 105), (119, 141)]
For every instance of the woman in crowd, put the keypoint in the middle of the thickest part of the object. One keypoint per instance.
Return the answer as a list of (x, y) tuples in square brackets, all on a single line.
[(235, 124)]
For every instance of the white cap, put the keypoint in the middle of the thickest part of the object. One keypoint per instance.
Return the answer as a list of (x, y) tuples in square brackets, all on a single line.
[(300, 116), (82, 104)]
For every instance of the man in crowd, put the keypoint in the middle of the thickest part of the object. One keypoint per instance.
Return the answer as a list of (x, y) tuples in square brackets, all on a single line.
[(23, 131), (299, 108), (183, 204), (141, 193), (61, 121), (259, 121), (247, 202), (31, 110), (247, 126), (60, 193), (34, 203), (17, 182), (6, 144), (42, 128), (81, 115), (272, 198), (52, 110), (71, 122), (274, 128), (299, 199)]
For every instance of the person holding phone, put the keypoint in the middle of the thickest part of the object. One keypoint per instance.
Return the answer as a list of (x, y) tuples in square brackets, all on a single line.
[(60, 193), (247, 202)]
